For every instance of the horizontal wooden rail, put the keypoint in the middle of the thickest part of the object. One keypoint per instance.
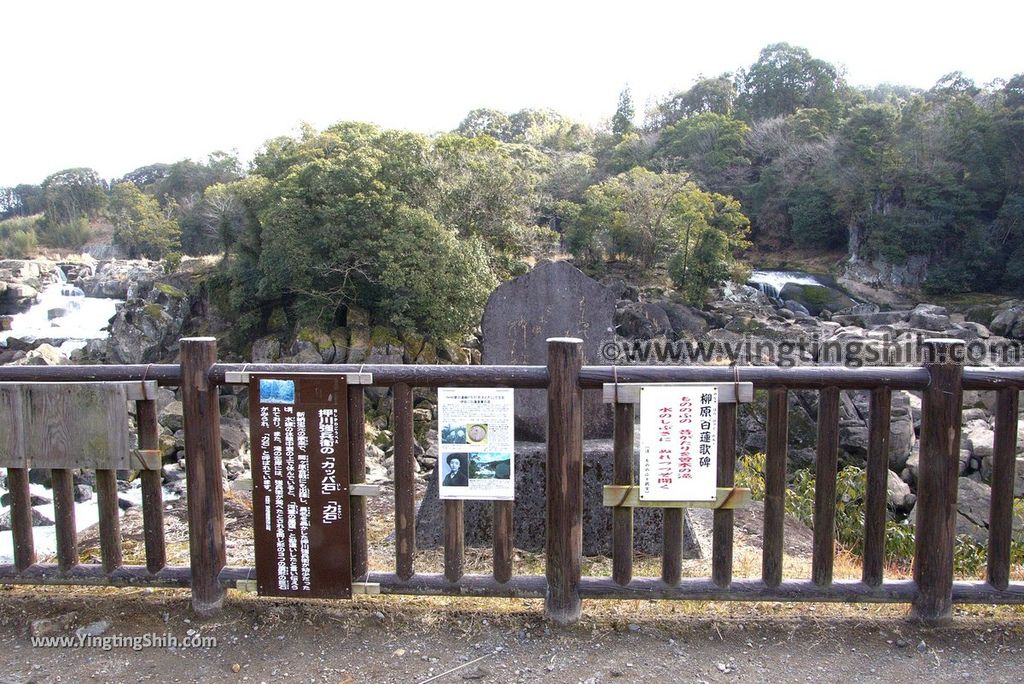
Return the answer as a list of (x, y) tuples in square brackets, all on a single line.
[(94, 574), (163, 373), (591, 377), (803, 377), (535, 586), (412, 375), (992, 378)]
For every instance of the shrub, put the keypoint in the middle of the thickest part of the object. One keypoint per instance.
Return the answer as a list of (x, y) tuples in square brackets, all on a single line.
[(21, 245), (18, 237), (969, 556), (68, 235)]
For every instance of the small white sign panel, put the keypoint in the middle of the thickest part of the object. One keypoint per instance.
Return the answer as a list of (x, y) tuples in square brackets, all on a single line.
[(476, 443), (678, 443)]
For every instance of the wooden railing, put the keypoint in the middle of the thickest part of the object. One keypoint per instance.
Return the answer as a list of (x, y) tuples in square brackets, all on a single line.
[(932, 591)]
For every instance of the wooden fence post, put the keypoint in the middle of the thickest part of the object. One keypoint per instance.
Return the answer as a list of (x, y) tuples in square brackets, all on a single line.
[(564, 489), (204, 486), (941, 406)]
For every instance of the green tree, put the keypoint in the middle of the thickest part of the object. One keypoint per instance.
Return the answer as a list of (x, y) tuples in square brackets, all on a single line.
[(72, 194), (786, 78), (622, 120), (140, 226), (656, 220), (706, 96), (486, 122), (428, 279), (711, 146)]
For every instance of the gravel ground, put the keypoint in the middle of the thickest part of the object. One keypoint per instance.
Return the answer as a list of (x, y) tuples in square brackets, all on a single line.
[(391, 639)]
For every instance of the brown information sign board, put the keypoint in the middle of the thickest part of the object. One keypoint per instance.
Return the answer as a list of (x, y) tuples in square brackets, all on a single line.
[(300, 493)]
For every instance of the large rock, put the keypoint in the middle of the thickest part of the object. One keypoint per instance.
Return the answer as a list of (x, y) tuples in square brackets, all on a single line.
[(266, 349), (38, 520), (929, 317), (530, 505), (147, 330), (17, 298), (973, 501), (1009, 320), (816, 298), (555, 299), (638, 320), (685, 320), (900, 498), (122, 279)]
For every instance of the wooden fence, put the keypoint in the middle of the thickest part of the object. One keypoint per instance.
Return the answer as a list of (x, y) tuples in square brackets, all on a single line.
[(932, 591)]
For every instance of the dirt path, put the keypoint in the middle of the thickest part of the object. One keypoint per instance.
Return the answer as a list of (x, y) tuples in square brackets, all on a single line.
[(384, 639)]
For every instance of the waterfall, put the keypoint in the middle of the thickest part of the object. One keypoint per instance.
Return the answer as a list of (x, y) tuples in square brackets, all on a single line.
[(772, 282)]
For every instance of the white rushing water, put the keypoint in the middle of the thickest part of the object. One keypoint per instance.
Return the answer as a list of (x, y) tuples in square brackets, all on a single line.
[(84, 318), (772, 282), (64, 314), (44, 537)]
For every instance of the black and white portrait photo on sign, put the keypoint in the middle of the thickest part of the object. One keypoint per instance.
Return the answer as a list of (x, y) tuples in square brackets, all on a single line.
[(455, 469)]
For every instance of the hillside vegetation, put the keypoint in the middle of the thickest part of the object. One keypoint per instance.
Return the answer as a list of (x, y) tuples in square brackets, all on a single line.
[(418, 229)]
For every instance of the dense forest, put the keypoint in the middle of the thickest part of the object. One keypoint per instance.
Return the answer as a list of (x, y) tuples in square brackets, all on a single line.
[(418, 228)]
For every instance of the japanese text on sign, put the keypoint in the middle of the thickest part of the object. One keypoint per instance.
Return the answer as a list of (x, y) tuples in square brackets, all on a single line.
[(678, 442)]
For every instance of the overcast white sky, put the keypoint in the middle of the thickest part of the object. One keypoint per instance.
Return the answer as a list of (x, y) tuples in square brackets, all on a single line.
[(116, 85)]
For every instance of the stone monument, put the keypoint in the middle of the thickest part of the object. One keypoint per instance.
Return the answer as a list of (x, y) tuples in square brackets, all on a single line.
[(555, 299)]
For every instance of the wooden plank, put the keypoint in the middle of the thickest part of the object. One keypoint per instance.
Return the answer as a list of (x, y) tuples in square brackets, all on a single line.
[(941, 408), (62, 481), (629, 393), (564, 485), (628, 496), (21, 517), (152, 489), (405, 483), (502, 544), (879, 419), (454, 540), (763, 377), (110, 519), (357, 478), (1004, 447), (825, 469), (141, 391), (147, 459), (365, 588), (71, 432), (77, 425), (12, 427), (722, 527), (622, 517), (775, 486), (246, 585), (672, 546), (204, 482)]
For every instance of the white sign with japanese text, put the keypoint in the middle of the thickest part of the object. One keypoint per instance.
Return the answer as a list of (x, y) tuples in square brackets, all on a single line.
[(476, 443), (678, 442)]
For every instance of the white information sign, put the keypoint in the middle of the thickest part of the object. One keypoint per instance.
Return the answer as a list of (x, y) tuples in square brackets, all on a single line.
[(678, 442), (476, 443)]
